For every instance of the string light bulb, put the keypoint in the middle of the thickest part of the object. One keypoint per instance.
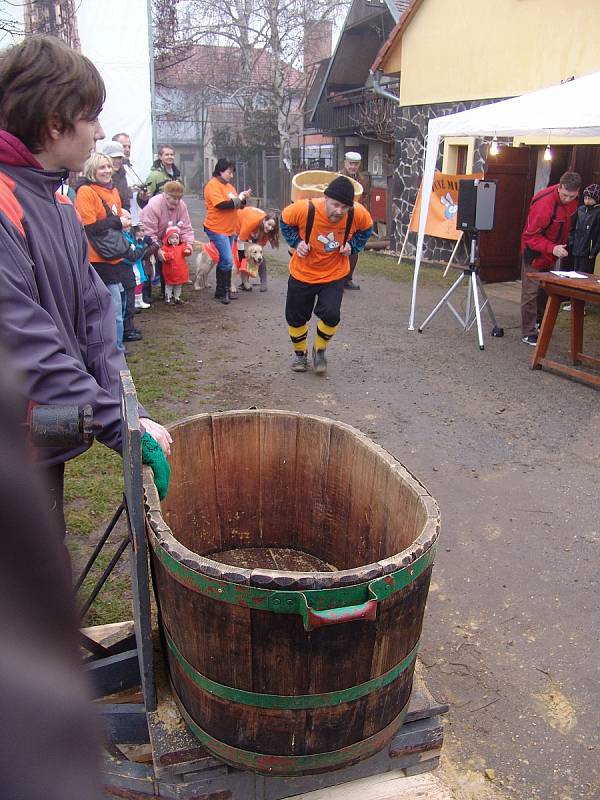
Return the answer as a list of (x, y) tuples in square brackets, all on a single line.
[(547, 153), (494, 147)]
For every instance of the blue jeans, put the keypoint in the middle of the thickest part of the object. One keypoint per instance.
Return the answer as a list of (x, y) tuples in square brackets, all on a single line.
[(223, 244), (115, 293)]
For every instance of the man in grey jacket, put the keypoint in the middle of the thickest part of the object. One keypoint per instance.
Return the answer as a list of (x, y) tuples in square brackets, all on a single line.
[(56, 317)]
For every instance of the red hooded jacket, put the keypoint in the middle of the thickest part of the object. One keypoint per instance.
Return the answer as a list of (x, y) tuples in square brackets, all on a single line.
[(174, 267), (548, 224)]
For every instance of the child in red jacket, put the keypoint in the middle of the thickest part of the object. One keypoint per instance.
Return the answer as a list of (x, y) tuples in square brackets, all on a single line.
[(174, 267)]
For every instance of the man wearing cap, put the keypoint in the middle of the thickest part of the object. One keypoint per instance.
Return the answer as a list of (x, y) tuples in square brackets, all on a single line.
[(116, 153), (135, 183), (352, 161), (320, 264)]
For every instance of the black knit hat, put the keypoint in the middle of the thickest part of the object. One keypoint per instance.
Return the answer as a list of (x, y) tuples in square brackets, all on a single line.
[(593, 191), (342, 190)]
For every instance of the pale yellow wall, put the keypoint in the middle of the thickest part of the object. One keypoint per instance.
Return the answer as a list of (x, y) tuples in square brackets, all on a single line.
[(481, 49)]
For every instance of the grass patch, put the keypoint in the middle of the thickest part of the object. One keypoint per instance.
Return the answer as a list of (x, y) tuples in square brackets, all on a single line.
[(372, 263), (162, 372)]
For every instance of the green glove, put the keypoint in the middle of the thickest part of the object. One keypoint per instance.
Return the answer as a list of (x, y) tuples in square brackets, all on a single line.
[(153, 456)]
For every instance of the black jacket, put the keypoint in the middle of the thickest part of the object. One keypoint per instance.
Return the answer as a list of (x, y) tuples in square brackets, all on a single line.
[(584, 238)]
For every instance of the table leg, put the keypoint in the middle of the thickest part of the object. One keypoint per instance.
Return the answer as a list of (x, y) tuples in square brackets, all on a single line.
[(548, 322), (577, 307)]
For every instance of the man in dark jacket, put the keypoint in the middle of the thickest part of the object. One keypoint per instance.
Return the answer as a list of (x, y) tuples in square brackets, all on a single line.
[(56, 316), (543, 241)]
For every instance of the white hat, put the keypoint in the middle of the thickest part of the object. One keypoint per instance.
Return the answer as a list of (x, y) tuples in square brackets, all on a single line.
[(113, 150), (352, 156)]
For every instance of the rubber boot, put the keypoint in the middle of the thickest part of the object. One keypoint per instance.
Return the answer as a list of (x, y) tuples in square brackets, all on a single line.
[(226, 279), (219, 288)]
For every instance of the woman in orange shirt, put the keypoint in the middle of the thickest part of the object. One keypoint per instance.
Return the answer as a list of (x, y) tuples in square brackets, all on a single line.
[(256, 227), (222, 203), (93, 191)]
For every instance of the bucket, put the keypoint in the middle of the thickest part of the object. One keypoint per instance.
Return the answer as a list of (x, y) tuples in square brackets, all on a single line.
[(313, 183), (291, 563)]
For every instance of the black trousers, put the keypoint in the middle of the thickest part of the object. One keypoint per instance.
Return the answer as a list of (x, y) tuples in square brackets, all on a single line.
[(128, 283), (584, 264), (300, 301)]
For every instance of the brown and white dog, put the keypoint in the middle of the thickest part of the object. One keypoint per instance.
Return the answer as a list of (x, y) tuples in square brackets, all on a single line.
[(249, 267), (207, 259)]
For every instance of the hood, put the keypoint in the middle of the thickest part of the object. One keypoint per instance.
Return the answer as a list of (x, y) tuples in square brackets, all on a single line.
[(158, 165), (14, 152)]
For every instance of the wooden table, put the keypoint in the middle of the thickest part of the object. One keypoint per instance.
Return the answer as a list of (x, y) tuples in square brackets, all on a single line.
[(578, 291)]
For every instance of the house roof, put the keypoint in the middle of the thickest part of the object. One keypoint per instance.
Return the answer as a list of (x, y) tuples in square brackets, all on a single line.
[(410, 8), (353, 58), (219, 66)]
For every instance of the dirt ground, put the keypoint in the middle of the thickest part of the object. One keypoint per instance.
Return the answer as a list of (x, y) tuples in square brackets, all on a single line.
[(511, 635)]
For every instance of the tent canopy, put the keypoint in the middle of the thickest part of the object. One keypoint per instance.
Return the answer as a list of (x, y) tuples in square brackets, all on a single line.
[(567, 110)]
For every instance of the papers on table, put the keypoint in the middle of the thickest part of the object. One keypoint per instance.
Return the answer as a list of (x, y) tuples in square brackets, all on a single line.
[(569, 274)]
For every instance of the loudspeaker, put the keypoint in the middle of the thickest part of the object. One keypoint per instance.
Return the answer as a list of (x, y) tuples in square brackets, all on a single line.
[(476, 205)]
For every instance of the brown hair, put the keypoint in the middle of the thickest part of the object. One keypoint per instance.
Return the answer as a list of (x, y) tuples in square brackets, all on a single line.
[(571, 181), (164, 147), (41, 77), (173, 187), (272, 236)]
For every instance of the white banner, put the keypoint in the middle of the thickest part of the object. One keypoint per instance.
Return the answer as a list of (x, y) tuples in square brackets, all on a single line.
[(114, 35)]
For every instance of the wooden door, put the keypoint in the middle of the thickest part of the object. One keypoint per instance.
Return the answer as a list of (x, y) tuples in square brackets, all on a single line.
[(499, 250)]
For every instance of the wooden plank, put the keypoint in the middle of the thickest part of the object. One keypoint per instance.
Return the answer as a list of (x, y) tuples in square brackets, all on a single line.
[(391, 786), (115, 673), (277, 488), (124, 722), (132, 476)]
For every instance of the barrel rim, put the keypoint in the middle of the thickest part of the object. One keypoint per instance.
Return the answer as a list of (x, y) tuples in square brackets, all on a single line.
[(289, 579)]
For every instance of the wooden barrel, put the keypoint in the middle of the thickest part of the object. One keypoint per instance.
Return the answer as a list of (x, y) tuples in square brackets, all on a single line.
[(291, 563), (313, 183)]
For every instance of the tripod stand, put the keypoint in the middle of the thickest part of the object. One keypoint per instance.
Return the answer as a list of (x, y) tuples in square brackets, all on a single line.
[(477, 299)]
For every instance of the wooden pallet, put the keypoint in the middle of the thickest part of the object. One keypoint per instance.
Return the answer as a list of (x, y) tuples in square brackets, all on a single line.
[(181, 768)]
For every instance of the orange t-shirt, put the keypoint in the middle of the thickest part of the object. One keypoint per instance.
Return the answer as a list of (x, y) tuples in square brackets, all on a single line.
[(249, 219), (216, 220), (324, 262), (90, 208)]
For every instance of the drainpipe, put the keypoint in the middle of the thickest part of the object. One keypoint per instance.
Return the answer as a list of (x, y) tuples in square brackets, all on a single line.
[(378, 89)]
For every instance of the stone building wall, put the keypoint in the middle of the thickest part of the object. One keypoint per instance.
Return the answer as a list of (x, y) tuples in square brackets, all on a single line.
[(409, 162)]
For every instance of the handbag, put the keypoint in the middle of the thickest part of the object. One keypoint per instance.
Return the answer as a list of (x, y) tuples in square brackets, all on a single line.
[(111, 243)]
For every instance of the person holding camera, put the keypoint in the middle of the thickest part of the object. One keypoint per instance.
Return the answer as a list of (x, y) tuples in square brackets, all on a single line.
[(138, 189), (543, 241)]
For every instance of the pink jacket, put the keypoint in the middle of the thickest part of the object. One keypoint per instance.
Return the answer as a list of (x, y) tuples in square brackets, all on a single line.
[(156, 217)]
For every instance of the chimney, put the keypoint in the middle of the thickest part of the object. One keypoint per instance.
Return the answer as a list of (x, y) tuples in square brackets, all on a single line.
[(317, 41)]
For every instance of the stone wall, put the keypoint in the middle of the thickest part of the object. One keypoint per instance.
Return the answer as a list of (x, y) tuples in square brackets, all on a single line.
[(409, 162)]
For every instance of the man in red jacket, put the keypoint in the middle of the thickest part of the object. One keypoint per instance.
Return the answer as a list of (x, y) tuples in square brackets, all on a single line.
[(543, 241)]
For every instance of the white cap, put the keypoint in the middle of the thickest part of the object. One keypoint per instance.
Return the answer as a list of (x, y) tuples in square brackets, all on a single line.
[(352, 156), (113, 150)]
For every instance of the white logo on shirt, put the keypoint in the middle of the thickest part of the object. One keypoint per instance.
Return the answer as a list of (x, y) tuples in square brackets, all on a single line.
[(329, 241)]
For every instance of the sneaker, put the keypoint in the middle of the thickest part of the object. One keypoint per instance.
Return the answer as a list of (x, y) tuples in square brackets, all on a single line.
[(319, 361), (566, 307), (132, 336), (179, 302), (531, 339), (351, 285), (300, 362), (169, 301)]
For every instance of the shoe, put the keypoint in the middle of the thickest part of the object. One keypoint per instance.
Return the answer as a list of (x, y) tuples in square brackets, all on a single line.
[(531, 339), (179, 302), (132, 336), (300, 362), (319, 361), (566, 307), (351, 285), (245, 288), (263, 288), (141, 304)]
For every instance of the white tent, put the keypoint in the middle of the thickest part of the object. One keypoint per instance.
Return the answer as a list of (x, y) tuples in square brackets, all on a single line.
[(570, 109)]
